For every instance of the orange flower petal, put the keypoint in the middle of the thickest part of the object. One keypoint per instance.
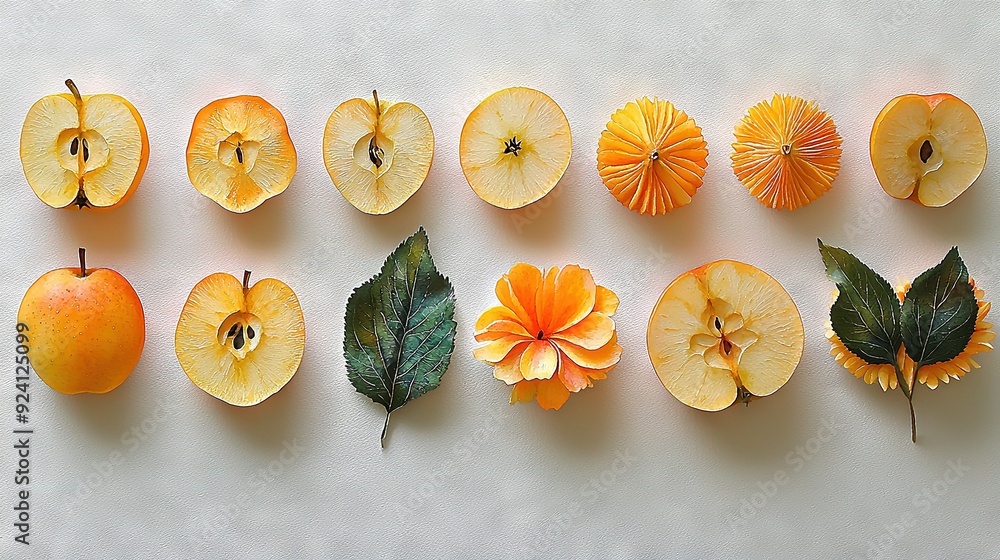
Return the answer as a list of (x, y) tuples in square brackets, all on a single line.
[(523, 391), (552, 394), (508, 370), (606, 301), (505, 293), (573, 299), (604, 357), (525, 281), (576, 378), (506, 327), (593, 332), (497, 350), (539, 360), (492, 315)]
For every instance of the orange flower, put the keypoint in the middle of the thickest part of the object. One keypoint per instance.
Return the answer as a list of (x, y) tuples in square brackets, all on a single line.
[(551, 335), (930, 374)]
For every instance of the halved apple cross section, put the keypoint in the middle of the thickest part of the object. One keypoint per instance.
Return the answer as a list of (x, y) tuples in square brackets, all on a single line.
[(238, 343), (240, 153), (84, 150), (723, 332), (378, 153), (928, 148)]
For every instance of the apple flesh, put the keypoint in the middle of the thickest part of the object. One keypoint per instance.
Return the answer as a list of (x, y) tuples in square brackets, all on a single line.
[(86, 328), (927, 148), (377, 153), (88, 151)]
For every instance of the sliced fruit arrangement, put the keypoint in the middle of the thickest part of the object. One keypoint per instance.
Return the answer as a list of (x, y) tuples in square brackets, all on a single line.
[(88, 151), (926, 332), (238, 343), (515, 146), (652, 156), (377, 153), (551, 335), (787, 152), (240, 153), (84, 328), (927, 148), (724, 332)]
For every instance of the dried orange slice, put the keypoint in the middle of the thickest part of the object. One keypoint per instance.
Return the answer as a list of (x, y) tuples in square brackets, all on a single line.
[(787, 152), (515, 146), (652, 156), (723, 332)]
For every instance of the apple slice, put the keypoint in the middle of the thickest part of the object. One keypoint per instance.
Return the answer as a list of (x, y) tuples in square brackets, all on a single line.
[(238, 343), (239, 153), (377, 153), (514, 147), (84, 150), (927, 148), (722, 332)]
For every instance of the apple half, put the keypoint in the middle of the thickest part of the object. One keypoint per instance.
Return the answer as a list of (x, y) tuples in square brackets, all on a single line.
[(377, 153), (88, 151), (724, 332), (927, 148)]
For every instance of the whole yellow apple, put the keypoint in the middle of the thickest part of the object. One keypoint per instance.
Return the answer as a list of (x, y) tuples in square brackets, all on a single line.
[(87, 328)]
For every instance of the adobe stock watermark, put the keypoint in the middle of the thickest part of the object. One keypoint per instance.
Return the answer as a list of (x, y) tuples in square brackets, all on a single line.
[(655, 259), (922, 503), (556, 527), (422, 492), (897, 15), (131, 440), (524, 217), (43, 12), (220, 517), (796, 460), (869, 214)]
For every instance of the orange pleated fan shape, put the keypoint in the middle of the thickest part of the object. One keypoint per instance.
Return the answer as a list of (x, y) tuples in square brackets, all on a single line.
[(787, 152), (652, 156)]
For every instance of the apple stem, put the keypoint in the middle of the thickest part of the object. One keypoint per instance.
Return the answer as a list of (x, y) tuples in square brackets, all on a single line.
[(76, 92), (246, 280), (83, 262), (378, 108)]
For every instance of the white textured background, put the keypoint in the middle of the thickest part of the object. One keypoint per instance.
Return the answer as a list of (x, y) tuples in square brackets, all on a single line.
[(464, 474)]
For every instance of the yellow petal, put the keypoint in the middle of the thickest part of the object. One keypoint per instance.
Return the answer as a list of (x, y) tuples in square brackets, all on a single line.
[(497, 350), (539, 360), (593, 332), (492, 315), (604, 357), (523, 391), (606, 301), (508, 370), (525, 280)]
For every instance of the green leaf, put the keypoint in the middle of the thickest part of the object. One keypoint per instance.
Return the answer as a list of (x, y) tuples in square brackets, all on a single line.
[(399, 331), (939, 312), (866, 313)]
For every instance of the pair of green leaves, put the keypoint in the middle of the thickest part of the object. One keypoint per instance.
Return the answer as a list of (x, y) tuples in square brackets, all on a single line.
[(399, 329), (934, 323)]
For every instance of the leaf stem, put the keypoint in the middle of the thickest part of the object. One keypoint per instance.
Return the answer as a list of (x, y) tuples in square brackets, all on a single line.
[(904, 384), (384, 428)]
